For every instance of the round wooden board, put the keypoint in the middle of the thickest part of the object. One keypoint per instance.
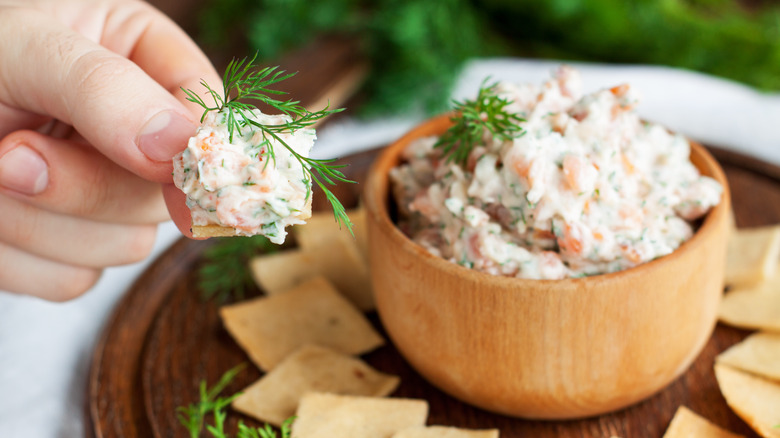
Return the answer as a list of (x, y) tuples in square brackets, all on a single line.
[(163, 339)]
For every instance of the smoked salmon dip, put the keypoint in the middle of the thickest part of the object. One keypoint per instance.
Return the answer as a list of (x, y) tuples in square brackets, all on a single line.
[(238, 184), (587, 188)]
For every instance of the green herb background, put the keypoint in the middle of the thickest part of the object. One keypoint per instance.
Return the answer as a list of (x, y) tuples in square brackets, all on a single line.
[(416, 48)]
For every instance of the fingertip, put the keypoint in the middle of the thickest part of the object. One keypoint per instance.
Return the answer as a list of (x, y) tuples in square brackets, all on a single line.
[(23, 169), (175, 200), (75, 282)]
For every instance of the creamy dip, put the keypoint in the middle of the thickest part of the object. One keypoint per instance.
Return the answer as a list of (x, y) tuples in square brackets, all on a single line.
[(237, 184), (589, 188)]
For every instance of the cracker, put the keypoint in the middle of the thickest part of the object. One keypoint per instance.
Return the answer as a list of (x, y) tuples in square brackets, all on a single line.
[(213, 231), (283, 270), (445, 432), (277, 272), (753, 308), (321, 229), (754, 399), (337, 257), (274, 398), (323, 415), (270, 328), (758, 354), (687, 424), (752, 255)]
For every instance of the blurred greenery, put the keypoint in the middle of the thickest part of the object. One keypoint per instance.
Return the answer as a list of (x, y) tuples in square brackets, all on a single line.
[(713, 36), (416, 48)]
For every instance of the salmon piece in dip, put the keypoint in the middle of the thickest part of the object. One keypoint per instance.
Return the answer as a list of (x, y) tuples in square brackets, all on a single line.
[(589, 188)]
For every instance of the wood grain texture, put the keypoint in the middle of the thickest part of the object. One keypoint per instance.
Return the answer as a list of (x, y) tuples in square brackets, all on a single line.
[(116, 411), (162, 340)]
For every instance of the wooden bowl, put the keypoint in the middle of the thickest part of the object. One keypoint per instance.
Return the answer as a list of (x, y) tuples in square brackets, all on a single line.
[(547, 349)]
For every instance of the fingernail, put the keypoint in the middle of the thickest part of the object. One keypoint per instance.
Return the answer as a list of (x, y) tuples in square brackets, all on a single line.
[(165, 135), (23, 170)]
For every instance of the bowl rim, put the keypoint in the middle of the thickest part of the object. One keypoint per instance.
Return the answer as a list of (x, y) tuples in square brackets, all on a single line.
[(377, 191)]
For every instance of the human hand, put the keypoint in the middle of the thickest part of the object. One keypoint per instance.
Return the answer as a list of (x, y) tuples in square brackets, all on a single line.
[(91, 113)]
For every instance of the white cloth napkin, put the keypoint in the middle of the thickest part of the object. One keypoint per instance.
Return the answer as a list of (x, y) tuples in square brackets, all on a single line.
[(46, 348), (710, 110)]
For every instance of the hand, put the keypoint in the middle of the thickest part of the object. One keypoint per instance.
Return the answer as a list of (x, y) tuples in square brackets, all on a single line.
[(91, 113)]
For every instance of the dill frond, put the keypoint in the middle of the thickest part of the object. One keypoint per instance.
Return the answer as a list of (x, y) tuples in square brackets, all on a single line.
[(473, 119), (244, 83), (193, 416)]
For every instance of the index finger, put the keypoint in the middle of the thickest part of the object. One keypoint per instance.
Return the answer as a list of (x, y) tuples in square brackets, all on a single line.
[(111, 101), (163, 50)]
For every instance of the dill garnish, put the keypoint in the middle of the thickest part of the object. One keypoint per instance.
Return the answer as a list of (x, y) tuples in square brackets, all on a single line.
[(473, 119), (225, 270), (243, 83), (193, 416)]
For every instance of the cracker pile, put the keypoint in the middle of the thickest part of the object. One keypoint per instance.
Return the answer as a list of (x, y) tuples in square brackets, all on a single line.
[(748, 373), (323, 250), (306, 334)]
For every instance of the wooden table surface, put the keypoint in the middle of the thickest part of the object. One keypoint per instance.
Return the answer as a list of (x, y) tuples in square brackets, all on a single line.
[(163, 339)]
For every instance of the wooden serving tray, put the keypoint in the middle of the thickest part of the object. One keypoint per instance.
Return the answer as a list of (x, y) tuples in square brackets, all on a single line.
[(163, 339)]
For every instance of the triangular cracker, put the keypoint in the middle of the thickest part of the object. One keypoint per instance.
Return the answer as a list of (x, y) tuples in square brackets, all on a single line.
[(753, 308), (687, 424), (755, 400), (270, 328), (445, 432), (338, 258), (328, 416), (274, 398), (758, 354), (322, 225), (280, 271), (752, 255), (324, 250)]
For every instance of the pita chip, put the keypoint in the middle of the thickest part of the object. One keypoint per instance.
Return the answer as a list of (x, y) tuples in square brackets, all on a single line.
[(270, 328), (323, 415), (752, 255), (338, 258), (311, 368), (754, 399), (281, 271), (687, 424), (758, 354), (753, 308)]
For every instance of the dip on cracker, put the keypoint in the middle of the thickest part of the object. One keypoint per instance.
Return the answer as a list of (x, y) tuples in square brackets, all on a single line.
[(237, 184), (548, 183), (245, 172)]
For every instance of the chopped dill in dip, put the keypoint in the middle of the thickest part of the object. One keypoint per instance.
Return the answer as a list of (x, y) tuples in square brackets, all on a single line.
[(238, 184), (587, 188)]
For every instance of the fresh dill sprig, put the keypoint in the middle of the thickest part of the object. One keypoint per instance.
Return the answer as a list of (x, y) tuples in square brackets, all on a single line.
[(225, 270), (472, 119), (243, 83), (193, 416), (285, 430)]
